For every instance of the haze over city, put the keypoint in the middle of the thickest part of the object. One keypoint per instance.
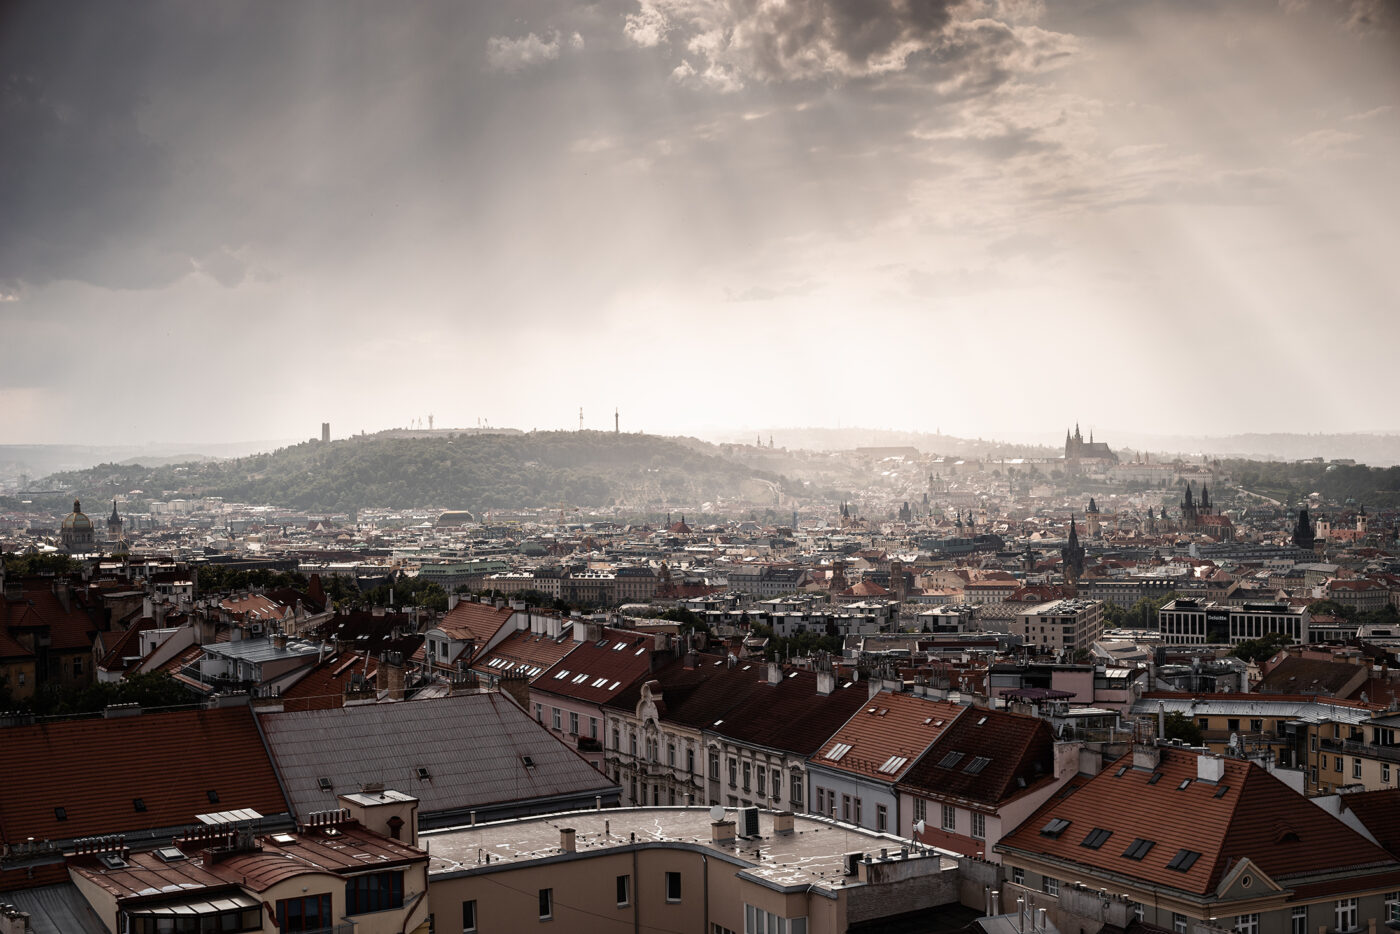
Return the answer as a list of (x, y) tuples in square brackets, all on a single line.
[(234, 221)]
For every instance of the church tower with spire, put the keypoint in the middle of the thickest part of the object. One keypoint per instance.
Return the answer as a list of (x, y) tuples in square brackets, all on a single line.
[(1072, 557)]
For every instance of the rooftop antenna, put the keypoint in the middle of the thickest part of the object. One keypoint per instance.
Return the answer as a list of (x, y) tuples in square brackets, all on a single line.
[(616, 423), (580, 418)]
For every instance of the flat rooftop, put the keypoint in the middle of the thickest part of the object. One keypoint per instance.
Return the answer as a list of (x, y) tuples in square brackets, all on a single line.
[(812, 854)]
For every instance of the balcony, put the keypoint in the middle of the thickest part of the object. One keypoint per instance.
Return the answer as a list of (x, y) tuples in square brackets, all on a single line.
[(1362, 750), (588, 744)]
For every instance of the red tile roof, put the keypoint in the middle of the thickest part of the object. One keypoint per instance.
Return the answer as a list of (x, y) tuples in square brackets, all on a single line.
[(791, 716), (96, 769), (1016, 753), (595, 672), (323, 686), (1379, 812), (1256, 816), (476, 621), (888, 727)]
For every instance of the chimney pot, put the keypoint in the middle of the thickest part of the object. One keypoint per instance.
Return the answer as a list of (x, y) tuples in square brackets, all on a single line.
[(567, 840)]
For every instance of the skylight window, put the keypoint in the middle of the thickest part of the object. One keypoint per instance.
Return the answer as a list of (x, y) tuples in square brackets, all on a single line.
[(599, 683), (950, 760), (562, 674), (1183, 860), (620, 646), (324, 783), (614, 686), (976, 765), (1122, 770), (1055, 827), (1185, 783), (1154, 778), (837, 751), (1139, 848), (1220, 792), (60, 813), (139, 804), (579, 678), (640, 651), (423, 774), (893, 764), (1096, 838)]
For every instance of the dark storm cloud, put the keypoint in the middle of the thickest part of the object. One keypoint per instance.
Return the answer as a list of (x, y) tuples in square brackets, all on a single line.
[(148, 141)]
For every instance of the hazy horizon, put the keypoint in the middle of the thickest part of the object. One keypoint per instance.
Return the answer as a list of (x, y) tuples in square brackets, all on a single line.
[(989, 218)]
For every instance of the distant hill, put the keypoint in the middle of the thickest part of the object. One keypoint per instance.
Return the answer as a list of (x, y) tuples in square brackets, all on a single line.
[(478, 471)]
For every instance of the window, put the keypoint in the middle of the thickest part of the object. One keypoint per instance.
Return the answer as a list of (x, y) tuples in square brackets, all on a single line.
[(308, 913), (77, 665), (795, 793), (592, 727), (573, 723), (1385, 773), (1184, 860), (1247, 924), (821, 800), (950, 817), (881, 817), (1256, 726), (846, 808), (673, 886), (714, 765), (378, 891), (1018, 876), (671, 754), (469, 917), (1300, 921), (1355, 768), (762, 775), (733, 772), (1050, 886), (555, 718), (1203, 722), (690, 761), (979, 826), (624, 891), (632, 745), (1313, 742), (1233, 725), (920, 810), (539, 718), (1392, 906), (616, 738), (777, 784), (1346, 914), (747, 769), (546, 904), (857, 811), (1178, 923), (1138, 912)]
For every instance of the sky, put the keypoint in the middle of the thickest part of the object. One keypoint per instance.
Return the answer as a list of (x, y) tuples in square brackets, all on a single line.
[(230, 220)]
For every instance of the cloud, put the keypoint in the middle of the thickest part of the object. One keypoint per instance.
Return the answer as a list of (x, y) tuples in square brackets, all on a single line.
[(1325, 143), (514, 55), (743, 40)]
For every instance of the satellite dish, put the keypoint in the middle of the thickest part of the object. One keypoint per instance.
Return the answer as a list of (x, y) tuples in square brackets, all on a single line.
[(717, 812), (919, 828)]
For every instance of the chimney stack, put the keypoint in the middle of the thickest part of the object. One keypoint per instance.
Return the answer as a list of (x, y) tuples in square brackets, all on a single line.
[(783, 822), (567, 842), (775, 673), (722, 832)]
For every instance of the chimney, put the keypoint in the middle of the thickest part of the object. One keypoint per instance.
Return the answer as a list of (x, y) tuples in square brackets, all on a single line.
[(452, 600), (826, 681), (722, 832), (389, 677), (1146, 757), (1210, 768), (279, 640), (775, 673), (783, 822), (500, 603), (566, 840)]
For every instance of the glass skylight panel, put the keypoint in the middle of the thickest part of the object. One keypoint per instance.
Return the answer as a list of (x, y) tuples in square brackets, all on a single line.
[(562, 674), (1055, 827), (1183, 860), (1139, 848), (950, 760), (1096, 838), (837, 751), (976, 765)]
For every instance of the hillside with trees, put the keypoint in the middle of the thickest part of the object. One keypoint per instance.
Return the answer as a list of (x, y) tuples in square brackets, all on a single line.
[(476, 472)]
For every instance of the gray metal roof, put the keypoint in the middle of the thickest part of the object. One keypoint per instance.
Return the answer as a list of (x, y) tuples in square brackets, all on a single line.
[(261, 650), (56, 909), (470, 748), (1304, 708)]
